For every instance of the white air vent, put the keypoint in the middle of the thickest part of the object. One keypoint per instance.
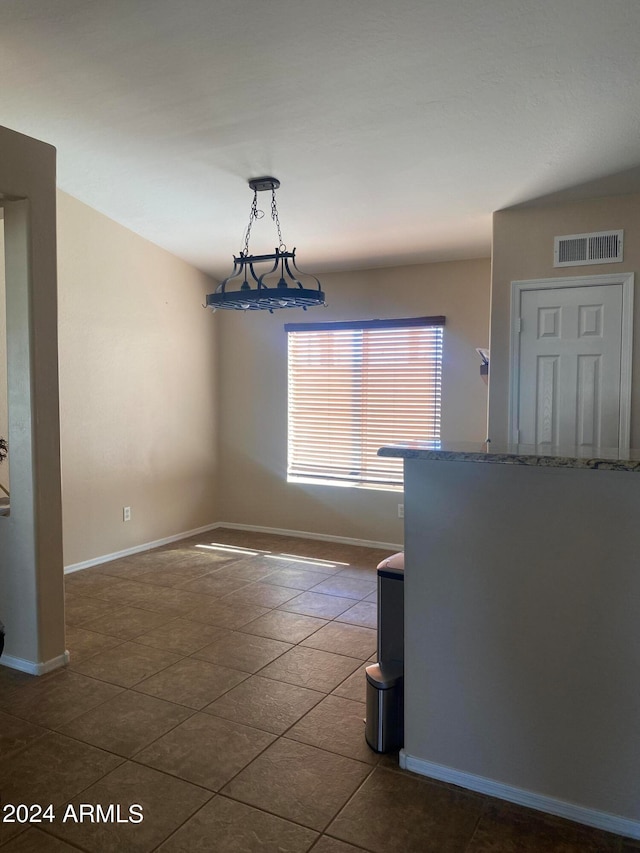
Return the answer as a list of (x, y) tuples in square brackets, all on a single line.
[(600, 247)]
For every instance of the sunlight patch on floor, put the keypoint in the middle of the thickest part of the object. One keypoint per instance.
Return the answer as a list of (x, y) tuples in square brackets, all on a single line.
[(305, 560), (318, 560), (246, 551)]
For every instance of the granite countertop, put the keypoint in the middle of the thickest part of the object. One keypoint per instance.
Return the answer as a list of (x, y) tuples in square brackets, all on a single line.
[(522, 454)]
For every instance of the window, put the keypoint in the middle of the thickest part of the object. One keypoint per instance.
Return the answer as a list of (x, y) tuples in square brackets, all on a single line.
[(356, 386)]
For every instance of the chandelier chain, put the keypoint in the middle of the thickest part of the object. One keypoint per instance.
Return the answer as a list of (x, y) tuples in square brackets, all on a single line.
[(257, 214), (252, 215), (276, 219)]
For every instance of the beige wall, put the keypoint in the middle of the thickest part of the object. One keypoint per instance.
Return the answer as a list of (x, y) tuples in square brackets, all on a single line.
[(138, 386), (253, 395), (523, 249)]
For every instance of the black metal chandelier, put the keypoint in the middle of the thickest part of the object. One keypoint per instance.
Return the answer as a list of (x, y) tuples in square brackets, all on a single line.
[(277, 287)]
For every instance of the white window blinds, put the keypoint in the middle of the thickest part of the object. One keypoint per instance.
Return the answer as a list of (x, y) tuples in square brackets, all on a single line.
[(354, 387)]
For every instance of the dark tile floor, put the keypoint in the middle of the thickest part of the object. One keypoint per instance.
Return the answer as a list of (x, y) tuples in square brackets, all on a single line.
[(223, 691)]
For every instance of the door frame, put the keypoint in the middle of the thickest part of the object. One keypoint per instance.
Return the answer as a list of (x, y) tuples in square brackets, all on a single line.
[(625, 279)]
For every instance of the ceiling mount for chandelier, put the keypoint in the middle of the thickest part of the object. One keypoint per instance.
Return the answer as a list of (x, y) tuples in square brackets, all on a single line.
[(277, 287)]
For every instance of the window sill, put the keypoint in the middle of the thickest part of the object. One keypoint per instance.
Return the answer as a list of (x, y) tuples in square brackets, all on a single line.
[(346, 484)]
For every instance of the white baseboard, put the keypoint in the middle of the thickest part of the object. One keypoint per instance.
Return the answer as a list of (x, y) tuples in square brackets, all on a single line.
[(300, 534), (570, 811), (35, 668), (303, 534), (147, 546)]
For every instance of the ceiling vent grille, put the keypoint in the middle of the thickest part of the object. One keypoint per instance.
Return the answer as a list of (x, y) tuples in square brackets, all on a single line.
[(600, 247)]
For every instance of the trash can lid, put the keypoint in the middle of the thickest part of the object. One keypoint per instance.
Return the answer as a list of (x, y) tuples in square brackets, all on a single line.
[(384, 675), (394, 574), (395, 561)]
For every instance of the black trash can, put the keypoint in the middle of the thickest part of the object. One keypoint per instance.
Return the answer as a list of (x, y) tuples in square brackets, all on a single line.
[(1, 638), (384, 724)]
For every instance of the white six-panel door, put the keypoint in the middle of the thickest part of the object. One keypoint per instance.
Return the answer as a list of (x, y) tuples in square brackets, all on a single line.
[(571, 357)]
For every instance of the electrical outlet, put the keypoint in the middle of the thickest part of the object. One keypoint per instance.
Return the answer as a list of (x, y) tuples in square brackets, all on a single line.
[(126, 513), (400, 510)]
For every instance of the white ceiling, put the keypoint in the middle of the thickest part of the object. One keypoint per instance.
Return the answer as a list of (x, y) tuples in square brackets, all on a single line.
[(395, 126)]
